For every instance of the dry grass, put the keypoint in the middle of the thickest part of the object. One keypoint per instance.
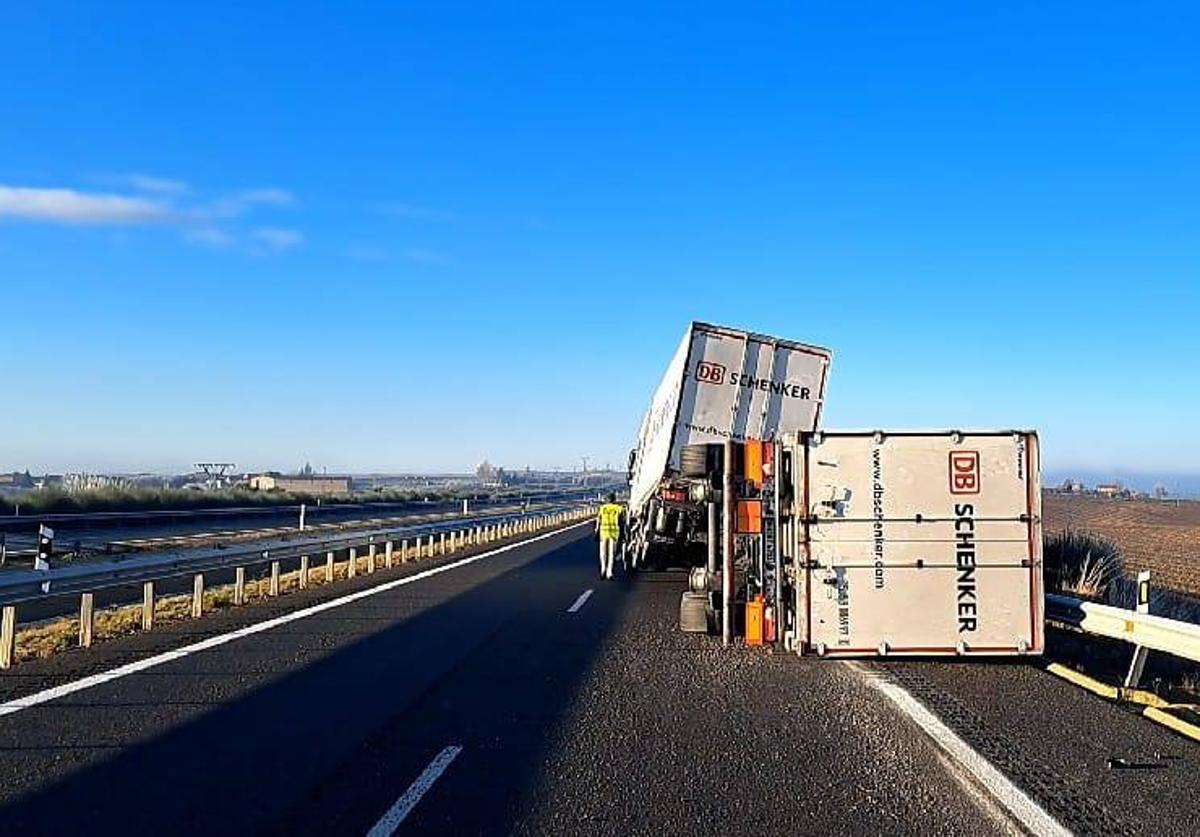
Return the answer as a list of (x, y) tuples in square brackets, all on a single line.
[(1082, 564), (47, 638)]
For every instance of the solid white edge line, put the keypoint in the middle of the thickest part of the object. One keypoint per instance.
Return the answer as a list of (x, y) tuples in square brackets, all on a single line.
[(88, 682), (1015, 801), (583, 597), (395, 815)]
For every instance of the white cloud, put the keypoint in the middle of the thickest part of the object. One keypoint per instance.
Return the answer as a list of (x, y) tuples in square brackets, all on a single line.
[(152, 200), (155, 185), (68, 206), (276, 239), (209, 237), (271, 196), (418, 213), (238, 203)]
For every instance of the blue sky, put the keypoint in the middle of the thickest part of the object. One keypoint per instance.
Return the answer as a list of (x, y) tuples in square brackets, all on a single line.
[(406, 236)]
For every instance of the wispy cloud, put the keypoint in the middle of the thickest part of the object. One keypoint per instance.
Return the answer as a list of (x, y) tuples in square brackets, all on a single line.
[(155, 185), (210, 237), (420, 255), (231, 206), (69, 206), (277, 239), (146, 201), (415, 212)]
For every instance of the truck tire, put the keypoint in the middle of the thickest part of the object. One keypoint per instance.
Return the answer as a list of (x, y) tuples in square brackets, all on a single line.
[(693, 613), (700, 460)]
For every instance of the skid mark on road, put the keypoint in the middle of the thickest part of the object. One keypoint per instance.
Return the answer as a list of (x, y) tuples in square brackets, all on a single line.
[(395, 815)]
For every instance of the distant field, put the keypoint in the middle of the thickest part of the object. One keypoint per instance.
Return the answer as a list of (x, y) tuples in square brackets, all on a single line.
[(1163, 537)]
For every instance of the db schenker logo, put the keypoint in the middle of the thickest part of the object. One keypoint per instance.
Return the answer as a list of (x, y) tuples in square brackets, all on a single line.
[(710, 373), (964, 472)]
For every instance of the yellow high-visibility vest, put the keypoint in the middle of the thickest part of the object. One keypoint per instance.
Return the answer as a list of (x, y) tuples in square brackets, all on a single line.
[(610, 522)]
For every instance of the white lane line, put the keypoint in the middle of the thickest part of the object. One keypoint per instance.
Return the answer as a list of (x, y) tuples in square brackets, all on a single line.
[(1014, 800), (221, 639), (395, 815), (583, 597)]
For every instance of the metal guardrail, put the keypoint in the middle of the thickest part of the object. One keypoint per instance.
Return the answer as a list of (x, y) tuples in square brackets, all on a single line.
[(1143, 630), (1181, 639), (428, 540)]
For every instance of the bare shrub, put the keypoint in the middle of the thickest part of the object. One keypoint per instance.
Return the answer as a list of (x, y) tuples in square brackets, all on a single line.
[(1082, 564)]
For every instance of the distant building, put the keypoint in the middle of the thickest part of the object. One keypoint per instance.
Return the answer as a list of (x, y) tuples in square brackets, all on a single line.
[(1111, 489), (15, 479), (489, 474), (315, 484), (74, 483)]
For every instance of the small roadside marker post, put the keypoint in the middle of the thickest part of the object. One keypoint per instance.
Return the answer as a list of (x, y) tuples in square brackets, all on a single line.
[(1138, 663)]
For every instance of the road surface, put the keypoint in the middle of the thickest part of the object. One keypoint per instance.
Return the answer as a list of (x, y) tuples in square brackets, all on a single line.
[(498, 696)]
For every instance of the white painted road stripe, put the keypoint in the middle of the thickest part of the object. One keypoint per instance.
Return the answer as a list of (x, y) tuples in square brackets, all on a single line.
[(395, 815), (583, 597), (1014, 800), (221, 639)]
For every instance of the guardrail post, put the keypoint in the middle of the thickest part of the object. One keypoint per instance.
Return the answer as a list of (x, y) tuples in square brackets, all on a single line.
[(275, 577), (198, 596), (329, 567), (147, 605), (352, 567), (442, 543), (371, 555), (8, 636), (431, 553), (404, 551), (87, 618), (239, 586), (387, 554), (1138, 663), (303, 572)]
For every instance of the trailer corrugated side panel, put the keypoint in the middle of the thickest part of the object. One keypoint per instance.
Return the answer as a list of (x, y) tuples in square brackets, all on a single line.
[(658, 427), (925, 543), (739, 385)]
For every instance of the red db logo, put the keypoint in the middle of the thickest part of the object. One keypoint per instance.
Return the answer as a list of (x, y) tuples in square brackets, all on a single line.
[(710, 373), (964, 472)]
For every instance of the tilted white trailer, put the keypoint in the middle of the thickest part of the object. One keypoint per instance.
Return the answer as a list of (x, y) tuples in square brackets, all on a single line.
[(722, 384)]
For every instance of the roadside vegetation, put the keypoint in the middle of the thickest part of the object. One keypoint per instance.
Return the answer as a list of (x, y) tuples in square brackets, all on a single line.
[(57, 635), (52, 501)]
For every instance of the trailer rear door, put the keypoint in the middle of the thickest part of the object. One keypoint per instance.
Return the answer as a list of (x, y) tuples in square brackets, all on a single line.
[(740, 386), (921, 543)]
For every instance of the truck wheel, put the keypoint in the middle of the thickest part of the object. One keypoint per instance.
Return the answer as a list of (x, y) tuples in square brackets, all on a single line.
[(693, 613), (695, 460)]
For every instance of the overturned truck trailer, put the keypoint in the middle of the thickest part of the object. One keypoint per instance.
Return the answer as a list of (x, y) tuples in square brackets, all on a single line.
[(722, 384), (884, 543)]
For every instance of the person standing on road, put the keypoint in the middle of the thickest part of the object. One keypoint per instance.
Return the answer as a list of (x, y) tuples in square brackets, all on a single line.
[(608, 529)]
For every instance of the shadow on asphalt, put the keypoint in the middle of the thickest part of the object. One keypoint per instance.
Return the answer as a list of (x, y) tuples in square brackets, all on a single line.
[(328, 746)]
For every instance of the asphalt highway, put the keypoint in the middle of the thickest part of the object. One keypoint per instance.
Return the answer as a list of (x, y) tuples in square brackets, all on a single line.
[(498, 696)]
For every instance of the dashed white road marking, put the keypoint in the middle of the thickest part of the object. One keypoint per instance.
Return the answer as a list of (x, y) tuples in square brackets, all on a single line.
[(88, 682), (1015, 801), (583, 597), (395, 815)]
